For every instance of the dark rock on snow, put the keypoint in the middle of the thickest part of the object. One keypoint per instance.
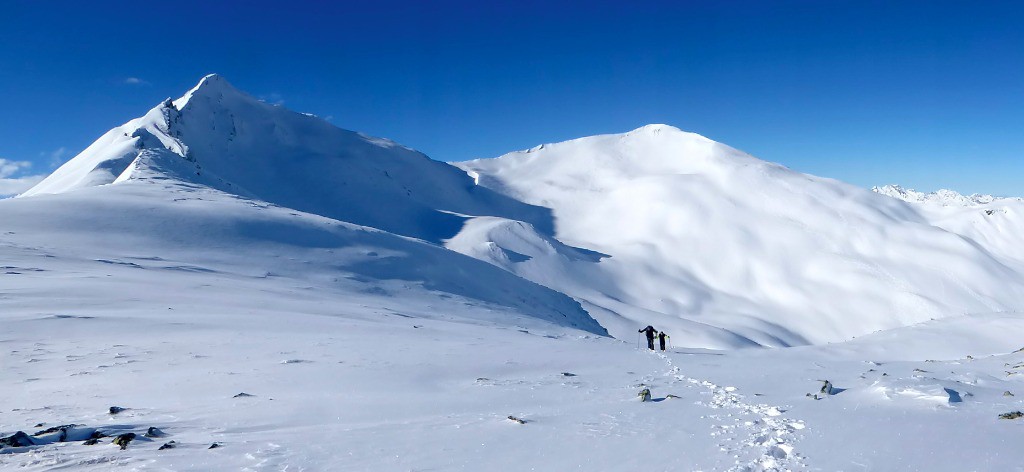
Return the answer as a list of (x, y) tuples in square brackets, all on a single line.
[(1011, 415), (19, 439), (62, 428), (123, 440)]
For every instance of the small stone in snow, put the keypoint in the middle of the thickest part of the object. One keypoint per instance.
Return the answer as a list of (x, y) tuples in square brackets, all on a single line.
[(243, 394), (167, 445), (116, 409), (1011, 415)]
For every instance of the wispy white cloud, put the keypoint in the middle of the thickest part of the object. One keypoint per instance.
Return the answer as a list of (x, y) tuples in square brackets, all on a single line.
[(11, 183), (134, 81), (55, 157), (273, 98)]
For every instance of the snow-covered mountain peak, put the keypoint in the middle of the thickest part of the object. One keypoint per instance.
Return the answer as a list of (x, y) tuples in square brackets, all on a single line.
[(212, 86), (700, 234), (218, 136), (659, 129), (603, 162), (943, 197)]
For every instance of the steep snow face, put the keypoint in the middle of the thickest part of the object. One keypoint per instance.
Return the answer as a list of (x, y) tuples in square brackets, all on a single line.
[(941, 197), (238, 144), (727, 250), (175, 242)]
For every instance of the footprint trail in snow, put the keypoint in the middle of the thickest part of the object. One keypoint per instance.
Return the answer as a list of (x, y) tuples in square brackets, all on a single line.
[(757, 435)]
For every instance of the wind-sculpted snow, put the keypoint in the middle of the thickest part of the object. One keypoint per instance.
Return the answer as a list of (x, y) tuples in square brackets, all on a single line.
[(698, 234)]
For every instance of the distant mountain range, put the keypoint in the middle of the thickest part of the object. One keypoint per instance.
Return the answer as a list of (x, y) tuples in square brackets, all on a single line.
[(942, 197)]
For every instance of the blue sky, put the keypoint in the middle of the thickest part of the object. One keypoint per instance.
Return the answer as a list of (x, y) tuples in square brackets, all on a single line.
[(927, 94)]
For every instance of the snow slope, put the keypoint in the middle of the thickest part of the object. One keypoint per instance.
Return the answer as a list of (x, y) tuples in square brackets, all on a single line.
[(995, 223), (385, 377), (165, 231), (727, 250)]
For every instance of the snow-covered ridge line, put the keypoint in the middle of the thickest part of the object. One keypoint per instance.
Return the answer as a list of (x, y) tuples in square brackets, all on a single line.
[(943, 197)]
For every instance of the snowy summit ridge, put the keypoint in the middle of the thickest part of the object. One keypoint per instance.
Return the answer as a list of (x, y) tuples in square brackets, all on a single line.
[(218, 136), (212, 86)]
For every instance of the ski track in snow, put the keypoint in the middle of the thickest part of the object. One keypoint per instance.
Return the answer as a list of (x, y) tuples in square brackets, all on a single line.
[(756, 430)]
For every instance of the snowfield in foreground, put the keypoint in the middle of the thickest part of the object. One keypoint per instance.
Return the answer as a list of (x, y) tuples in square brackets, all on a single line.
[(402, 383), (227, 285)]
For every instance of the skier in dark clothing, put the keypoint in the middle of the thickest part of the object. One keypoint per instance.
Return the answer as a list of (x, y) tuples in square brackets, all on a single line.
[(649, 331), (661, 338)]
